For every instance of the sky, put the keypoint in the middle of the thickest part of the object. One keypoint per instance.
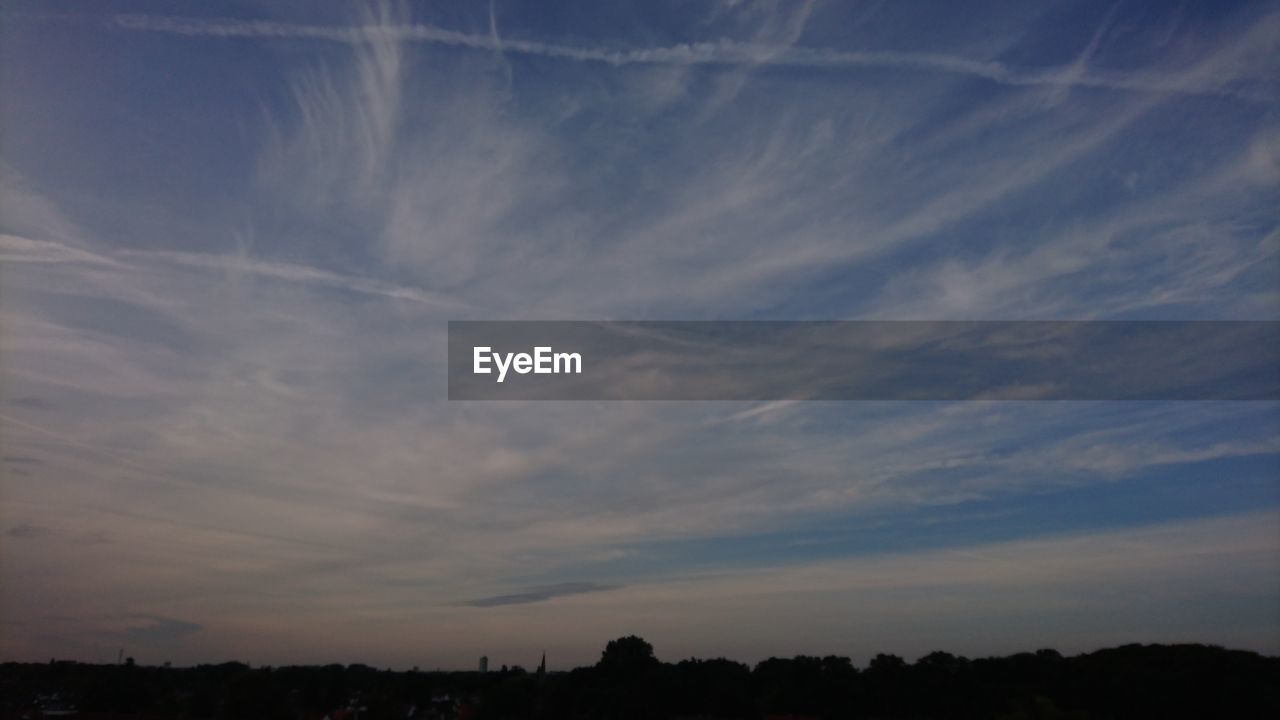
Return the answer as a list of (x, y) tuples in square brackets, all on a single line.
[(232, 234)]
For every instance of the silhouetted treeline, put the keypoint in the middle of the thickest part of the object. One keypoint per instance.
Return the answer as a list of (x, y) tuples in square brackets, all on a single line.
[(1134, 681)]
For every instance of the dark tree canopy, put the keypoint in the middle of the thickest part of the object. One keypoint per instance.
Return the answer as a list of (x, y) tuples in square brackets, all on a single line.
[(630, 683), (627, 654)]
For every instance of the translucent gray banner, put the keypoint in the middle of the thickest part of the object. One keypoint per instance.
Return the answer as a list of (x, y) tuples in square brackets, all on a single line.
[(856, 360)]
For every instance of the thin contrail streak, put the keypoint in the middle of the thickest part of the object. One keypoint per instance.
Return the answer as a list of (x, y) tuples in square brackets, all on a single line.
[(722, 52)]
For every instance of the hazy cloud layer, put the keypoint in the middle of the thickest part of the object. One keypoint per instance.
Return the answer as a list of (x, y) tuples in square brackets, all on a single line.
[(230, 247)]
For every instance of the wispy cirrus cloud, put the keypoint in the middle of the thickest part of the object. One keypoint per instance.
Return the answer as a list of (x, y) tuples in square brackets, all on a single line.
[(226, 349), (18, 250)]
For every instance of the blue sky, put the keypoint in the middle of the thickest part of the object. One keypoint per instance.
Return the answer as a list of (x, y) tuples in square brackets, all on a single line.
[(233, 235)]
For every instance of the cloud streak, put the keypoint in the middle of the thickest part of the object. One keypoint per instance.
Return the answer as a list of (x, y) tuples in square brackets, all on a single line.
[(14, 249), (723, 52), (539, 594)]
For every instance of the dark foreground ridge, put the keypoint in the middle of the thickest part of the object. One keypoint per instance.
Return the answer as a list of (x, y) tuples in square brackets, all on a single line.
[(1133, 681)]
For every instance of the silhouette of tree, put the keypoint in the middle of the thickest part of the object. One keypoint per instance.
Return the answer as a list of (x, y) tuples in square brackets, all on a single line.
[(1133, 681), (627, 655)]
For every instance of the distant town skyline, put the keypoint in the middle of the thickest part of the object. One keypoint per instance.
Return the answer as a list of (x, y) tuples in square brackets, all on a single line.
[(232, 236)]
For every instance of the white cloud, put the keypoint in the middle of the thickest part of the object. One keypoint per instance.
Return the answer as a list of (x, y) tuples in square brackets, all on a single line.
[(261, 429)]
